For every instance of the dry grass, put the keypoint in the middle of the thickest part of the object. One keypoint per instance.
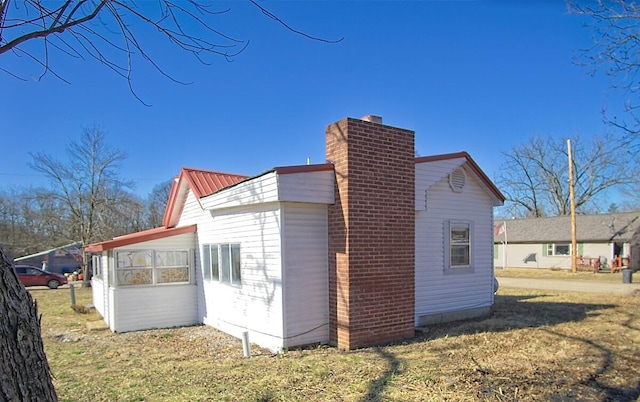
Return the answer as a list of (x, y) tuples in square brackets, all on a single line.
[(535, 346), (544, 273)]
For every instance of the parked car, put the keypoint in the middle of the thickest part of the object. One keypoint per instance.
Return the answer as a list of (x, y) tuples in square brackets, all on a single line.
[(33, 276)]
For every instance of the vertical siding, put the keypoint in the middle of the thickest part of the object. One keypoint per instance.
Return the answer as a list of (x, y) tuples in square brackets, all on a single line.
[(305, 274), (430, 173), (256, 305), (437, 292)]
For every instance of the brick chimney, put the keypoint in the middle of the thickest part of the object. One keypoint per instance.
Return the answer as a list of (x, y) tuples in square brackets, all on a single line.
[(371, 233)]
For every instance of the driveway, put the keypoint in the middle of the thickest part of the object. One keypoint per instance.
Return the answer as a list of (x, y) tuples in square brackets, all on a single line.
[(570, 285)]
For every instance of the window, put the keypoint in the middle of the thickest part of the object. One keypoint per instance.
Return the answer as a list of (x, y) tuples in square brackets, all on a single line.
[(96, 266), (460, 242), (134, 268), (171, 266), (458, 248), (150, 267), (206, 261), (558, 249), (221, 263)]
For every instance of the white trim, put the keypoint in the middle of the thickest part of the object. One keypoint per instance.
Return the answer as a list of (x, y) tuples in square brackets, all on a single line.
[(457, 269)]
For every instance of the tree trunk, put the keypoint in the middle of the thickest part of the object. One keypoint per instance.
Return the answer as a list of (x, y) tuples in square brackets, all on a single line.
[(24, 371)]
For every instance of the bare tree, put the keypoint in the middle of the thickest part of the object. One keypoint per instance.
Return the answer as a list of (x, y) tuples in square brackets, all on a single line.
[(128, 217), (615, 26), (157, 202), (113, 31), (534, 176), (87, 185), (24, 371)]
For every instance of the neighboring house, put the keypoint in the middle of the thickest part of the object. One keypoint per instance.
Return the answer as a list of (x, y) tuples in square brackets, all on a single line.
[(62, 260), (353, 252), (546, 242)]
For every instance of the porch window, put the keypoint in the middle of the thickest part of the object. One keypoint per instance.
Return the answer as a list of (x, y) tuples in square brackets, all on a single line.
[(96, 266), (171, 266), (221, 263), (150, 267)]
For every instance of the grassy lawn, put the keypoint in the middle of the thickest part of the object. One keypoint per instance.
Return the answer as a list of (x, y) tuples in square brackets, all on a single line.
[(535, 346), (543, 273)]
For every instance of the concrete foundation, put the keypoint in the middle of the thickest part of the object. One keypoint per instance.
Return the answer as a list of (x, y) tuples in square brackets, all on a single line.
[(453, 316)]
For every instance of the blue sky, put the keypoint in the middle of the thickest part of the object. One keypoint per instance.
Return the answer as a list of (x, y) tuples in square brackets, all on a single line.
[(474, 76)]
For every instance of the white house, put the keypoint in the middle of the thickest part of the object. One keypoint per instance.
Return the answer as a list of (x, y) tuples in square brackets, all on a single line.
[(353, 252), (546, 242)]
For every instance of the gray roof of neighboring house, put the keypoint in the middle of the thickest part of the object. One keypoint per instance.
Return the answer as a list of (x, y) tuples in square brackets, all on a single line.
[(589, 228), (77, 246)]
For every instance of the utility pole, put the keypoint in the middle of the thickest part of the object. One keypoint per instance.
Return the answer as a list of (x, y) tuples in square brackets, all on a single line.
[(572, 198)]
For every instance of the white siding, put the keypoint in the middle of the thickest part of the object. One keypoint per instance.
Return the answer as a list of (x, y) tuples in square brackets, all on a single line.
[(146, 307), (98, 293), (313, 187), (430, 173), (132, 308), (256, 305), (192, 212), (255, 191), (437, 291), (305, 278)]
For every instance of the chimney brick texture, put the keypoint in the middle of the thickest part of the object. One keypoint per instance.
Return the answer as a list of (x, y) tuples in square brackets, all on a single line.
[(371, 233)]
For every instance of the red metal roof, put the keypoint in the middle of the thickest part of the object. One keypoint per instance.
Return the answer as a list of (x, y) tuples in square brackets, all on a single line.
[(139, 237), (206, 182), (201, 182)]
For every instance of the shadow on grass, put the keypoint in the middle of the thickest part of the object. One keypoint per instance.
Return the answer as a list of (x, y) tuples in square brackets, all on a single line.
[(516, 312), (509, 313), (376, 387), (609, 393)]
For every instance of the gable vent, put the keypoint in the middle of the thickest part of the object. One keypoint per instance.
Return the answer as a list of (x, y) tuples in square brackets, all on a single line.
[(457, 179)]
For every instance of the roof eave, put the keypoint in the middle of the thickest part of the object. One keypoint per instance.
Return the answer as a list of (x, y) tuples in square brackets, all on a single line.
[(498, 197), (139, 237)]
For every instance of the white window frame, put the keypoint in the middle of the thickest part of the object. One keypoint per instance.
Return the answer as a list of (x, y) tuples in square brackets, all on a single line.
[(451, 242), (179, 259), (552, 249), (221, 262), (151, 264), (96, 266)]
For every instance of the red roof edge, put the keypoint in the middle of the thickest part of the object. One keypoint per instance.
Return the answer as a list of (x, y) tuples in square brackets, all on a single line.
[(139, 237), (171, 202), (472, 164), (185, 176)]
